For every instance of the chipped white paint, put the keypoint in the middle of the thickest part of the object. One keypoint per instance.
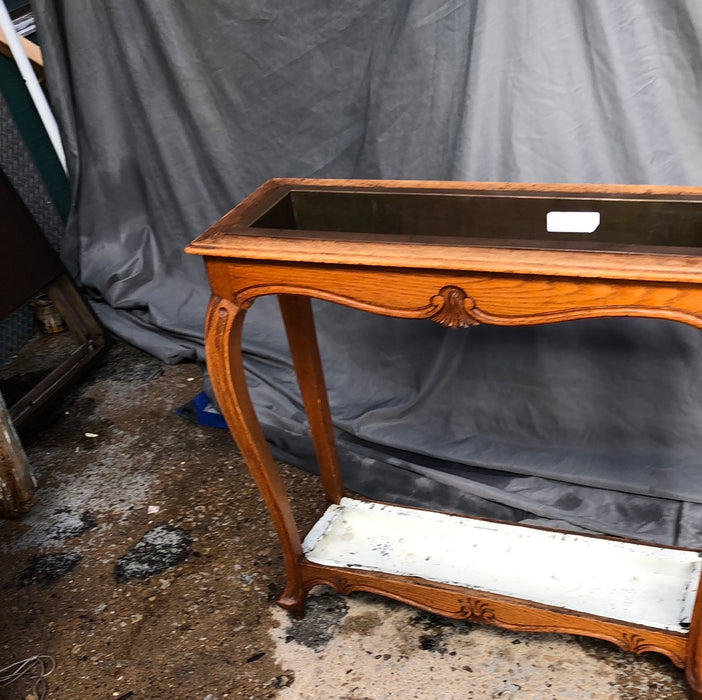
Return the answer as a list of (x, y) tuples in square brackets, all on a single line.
[(638, 583)]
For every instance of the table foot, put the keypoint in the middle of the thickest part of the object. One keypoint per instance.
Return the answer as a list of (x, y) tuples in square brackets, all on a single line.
[(294, 602)]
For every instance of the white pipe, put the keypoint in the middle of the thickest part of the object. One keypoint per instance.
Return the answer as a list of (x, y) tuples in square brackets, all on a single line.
[(30, 79)]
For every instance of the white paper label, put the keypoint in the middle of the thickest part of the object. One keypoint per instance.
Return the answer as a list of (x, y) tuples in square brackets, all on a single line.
[(572, 221)]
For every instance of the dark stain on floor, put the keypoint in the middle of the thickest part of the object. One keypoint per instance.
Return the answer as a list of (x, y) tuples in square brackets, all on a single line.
[(433, 642), (48, 568), (160, 548), (323, 615), (634, 671)]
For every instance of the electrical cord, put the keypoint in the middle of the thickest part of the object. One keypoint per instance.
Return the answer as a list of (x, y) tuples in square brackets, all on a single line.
[(39, 667)]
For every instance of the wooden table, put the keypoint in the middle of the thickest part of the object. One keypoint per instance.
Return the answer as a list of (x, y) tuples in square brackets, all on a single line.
[(459, 254)]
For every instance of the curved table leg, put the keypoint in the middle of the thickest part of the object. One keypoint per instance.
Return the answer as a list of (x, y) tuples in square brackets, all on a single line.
[(302, 339), (225, 365)]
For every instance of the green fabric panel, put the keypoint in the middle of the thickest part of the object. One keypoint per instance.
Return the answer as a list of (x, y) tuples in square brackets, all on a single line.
[(30, 126)]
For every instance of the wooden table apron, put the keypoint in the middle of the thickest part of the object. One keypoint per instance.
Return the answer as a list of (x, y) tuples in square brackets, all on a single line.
[(456, 298)]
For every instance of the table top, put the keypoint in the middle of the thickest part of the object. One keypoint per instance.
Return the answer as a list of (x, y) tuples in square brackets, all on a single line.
[(617, 231)]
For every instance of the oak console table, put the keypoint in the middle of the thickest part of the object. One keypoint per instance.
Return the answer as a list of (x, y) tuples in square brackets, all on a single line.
[(459, 254)]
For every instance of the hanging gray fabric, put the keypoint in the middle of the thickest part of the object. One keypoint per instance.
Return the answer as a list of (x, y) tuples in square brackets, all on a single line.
[(173, 111)]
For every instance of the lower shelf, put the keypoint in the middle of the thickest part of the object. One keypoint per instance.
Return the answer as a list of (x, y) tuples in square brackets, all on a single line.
[(636, 583)]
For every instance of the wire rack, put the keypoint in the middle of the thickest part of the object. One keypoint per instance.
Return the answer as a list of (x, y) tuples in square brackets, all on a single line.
[(16, 162)]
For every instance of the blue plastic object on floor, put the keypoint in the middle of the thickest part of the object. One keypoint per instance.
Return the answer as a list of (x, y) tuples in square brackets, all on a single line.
[(202, 411)]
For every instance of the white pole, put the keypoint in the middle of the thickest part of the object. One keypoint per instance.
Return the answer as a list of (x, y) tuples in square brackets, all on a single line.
[(30, 79)]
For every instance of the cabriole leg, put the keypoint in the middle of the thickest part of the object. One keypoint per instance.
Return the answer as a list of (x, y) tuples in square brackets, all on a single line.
[(302, 338), (226, 368)]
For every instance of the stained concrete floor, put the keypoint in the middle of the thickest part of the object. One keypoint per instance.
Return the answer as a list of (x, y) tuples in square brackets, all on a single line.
[(148, 566)]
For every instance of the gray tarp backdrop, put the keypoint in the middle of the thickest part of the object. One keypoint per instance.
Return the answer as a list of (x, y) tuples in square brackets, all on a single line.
[(172, 111)]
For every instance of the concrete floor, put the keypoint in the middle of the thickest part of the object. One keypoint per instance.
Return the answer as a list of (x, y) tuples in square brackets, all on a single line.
[(148, 566)]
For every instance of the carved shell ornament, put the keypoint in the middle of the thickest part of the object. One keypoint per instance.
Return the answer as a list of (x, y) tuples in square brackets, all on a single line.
[(478, 610), (454, 308)]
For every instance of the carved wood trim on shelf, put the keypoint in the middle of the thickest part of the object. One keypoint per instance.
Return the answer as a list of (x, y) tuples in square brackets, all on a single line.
[(493, 609), (637, 644), (477, 610)]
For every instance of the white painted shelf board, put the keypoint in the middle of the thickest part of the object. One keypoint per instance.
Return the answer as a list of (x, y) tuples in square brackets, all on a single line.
[(642, 584)]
